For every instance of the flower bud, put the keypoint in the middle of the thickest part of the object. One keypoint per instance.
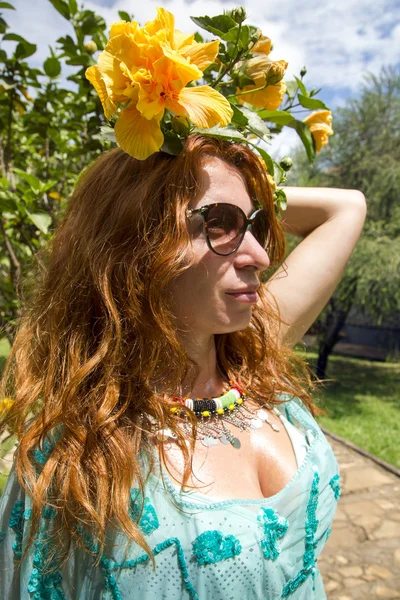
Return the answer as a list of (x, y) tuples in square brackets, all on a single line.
[(90, 46), (237, 14), (286, 163), (276, 72), (303, 72)]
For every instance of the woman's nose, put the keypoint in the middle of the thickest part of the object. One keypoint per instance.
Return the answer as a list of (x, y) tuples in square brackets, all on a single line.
[(251, 253)]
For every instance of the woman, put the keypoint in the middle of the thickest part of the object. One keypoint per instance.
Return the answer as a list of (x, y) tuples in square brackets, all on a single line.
[(166, 406)]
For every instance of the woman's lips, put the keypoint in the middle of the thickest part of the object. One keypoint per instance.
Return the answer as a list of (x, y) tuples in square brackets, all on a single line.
[(249, 297)]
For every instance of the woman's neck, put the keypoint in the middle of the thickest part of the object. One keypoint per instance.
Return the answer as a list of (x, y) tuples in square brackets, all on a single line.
[(209, 381)]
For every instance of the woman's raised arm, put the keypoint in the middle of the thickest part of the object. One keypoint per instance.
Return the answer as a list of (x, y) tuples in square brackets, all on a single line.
[(330, 220)]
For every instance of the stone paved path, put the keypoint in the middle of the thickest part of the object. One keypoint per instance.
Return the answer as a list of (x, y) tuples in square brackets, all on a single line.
[(361, 560)]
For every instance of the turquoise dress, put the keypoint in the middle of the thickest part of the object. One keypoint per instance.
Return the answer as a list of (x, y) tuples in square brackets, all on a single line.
[(204, 549)]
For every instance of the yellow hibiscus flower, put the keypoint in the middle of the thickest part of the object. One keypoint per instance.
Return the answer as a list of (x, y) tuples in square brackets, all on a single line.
[(144, 71), (264, 71), (319, 123)]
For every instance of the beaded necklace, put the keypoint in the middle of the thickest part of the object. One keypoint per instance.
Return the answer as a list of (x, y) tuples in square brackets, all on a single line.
[(214, 413)]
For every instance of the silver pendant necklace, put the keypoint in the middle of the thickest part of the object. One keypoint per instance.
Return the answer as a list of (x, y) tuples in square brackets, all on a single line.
[(215, 413)]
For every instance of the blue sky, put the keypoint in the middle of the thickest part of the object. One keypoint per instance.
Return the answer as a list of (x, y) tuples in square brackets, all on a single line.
[(339, 41)]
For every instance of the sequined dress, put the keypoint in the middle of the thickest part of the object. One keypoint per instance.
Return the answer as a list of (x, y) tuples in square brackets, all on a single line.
[(204, 549)]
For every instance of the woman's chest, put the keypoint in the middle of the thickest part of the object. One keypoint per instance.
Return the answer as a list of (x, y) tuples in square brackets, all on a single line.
[(260, 468)]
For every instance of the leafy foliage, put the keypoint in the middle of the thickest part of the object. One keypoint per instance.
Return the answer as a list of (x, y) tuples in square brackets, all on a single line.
[(365, 154), (46, 139)]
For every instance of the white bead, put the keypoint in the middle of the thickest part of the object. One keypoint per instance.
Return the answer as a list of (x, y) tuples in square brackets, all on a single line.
[(262, 414), (256, 423), (218, 402)]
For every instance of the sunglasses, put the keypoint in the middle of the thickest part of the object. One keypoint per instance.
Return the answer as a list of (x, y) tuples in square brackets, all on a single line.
[(224, 226)]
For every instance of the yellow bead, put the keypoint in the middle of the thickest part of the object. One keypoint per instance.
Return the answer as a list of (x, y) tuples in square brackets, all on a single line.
[(239, 401), (220, 411), (206, 413), (174, 409), (231, 406)]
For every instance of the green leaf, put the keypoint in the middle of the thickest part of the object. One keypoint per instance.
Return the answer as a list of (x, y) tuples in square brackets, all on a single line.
[(305, 135), (239, 117), (47, 186), (3, 56), (33, 182), (3, 25), (226, 133), (268, 160), (4, 182), (83, 60), (73, 6), (291, 87), (24, 50), (172, 143), (92, 23), (199, 38), (62, 7), (256, 124), (68, 45), (42, 220), (52, 67), (14, 37), (7, 202), (239, 35), (301, 85), (232, 35), (312, 103), (124, 16), (100, 40), (216, 25), (280, 117), (6, 5)]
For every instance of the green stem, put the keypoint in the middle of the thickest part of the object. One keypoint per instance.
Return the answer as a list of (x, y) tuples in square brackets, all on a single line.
[(232, 62), (252, 91), (294, 96)]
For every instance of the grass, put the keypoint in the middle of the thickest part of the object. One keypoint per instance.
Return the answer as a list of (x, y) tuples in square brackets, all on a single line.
[(362, 404)]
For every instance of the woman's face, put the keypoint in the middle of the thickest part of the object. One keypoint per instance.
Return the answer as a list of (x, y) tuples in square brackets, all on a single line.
[(205, 296)]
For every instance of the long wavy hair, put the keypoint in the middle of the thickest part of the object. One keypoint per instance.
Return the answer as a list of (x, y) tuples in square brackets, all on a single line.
[(96, 354)]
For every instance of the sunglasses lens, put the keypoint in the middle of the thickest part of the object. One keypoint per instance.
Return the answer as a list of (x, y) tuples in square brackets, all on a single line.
[(226, 227), (260, 229)]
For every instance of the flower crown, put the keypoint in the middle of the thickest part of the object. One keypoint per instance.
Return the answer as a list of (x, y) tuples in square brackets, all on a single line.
[(158, 85)]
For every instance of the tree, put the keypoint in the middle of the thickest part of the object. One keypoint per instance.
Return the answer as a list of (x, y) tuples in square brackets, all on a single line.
[(364, 154), (45, 141)]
